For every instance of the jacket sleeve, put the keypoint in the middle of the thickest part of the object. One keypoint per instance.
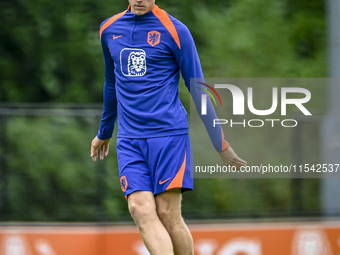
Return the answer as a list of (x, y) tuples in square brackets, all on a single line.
[(189, 63), (110, 101)]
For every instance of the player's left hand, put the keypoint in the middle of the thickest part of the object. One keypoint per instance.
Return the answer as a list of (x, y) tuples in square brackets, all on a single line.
[(103, 146), (230, 158)]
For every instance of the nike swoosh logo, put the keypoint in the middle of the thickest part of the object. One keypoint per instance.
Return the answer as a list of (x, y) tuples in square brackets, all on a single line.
[(115, 37), (162, 182)]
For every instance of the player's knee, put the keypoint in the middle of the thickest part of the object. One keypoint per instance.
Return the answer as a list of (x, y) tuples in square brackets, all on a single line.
[(141, 211), (169, 218)]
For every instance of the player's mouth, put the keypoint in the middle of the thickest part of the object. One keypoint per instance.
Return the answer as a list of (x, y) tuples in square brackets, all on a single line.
[(139, 7)]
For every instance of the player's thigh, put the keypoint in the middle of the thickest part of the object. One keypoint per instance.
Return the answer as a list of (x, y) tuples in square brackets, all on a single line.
[(133, 169), (170, 163)]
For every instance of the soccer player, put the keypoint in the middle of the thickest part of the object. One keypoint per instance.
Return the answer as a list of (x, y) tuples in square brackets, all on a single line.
[(145, 49)]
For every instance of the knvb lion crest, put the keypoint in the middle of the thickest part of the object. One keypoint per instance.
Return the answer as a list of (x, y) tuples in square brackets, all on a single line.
[(137, 63), (154, 37), (133, 62)]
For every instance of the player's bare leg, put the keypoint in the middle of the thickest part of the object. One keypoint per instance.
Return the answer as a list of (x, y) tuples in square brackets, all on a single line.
[(168, 206), (143, 210)]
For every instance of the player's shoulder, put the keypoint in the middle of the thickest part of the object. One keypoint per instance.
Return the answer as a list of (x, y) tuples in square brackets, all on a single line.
[(108, 22), (179, 25), (112, 19), (183, 31), (105, 21), (168, 20)]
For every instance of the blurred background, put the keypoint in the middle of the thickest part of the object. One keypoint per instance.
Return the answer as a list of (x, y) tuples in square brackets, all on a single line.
[(52, 76), (51, 82)]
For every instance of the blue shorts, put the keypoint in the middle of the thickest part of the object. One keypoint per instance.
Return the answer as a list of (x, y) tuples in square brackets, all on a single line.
[(155, 164)]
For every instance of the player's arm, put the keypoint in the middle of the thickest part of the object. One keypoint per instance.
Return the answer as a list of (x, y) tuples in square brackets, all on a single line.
[(101, 141), (190, 66)]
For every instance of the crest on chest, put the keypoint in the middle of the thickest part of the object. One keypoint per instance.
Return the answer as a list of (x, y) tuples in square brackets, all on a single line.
[(133, 62)]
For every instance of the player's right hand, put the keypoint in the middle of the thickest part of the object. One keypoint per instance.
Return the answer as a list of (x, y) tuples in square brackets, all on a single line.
[(230, 158), (102, 145)]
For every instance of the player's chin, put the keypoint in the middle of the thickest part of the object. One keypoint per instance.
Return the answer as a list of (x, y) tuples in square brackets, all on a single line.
[(139, 12)]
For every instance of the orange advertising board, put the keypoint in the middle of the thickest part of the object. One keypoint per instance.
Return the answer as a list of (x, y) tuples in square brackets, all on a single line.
[(209, 239)]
